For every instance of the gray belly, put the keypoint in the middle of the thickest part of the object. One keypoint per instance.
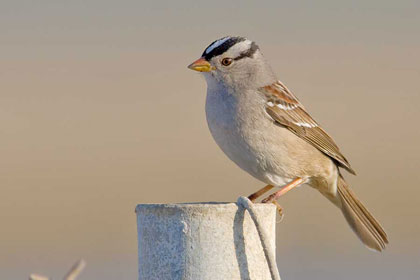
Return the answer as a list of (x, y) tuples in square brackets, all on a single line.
[(244, 138), (250, 138)]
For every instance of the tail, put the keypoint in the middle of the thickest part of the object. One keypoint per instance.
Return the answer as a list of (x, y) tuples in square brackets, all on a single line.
[(366, 227)]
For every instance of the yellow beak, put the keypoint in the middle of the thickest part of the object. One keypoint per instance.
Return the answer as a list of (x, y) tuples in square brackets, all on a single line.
[(201, 65)]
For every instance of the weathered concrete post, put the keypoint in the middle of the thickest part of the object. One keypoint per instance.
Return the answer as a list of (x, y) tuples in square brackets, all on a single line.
[(203, 241)]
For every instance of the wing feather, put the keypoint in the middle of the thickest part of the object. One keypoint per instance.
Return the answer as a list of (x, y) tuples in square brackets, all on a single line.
[(286, 110)]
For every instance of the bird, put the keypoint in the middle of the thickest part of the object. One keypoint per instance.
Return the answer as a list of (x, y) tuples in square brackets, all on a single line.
[(263, 127)]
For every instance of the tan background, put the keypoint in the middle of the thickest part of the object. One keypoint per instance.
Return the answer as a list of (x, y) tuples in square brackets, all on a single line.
[(98, 112)]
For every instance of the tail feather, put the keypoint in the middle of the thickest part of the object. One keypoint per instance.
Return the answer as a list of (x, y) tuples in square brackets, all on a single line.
[(366, 227)]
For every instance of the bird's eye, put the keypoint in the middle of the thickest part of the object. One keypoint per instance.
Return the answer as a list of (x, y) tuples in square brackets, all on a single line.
[(227, 61)]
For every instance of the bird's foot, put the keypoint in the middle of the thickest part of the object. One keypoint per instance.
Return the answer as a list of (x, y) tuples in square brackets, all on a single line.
[(279, 209)]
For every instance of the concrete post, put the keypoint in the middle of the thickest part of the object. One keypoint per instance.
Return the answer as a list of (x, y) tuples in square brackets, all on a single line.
[(203, 241)]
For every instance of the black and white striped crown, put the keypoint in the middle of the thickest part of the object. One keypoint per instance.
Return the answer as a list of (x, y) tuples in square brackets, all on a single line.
[(222, 45)]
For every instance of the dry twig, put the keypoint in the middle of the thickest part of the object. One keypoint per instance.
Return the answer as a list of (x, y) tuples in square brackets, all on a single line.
[(75, 270)]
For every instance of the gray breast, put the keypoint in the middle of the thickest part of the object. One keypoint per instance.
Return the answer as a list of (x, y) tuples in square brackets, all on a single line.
[(232, 129)]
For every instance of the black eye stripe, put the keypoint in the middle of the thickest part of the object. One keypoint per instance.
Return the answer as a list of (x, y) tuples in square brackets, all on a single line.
[(248, 53)]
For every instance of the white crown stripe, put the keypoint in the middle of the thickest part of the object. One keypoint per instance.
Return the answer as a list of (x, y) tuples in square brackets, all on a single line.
[(216, 44)]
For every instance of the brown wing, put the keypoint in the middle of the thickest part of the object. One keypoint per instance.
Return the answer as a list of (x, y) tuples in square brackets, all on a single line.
[(286, 110)]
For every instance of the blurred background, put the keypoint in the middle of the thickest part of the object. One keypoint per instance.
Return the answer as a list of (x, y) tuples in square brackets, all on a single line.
[(98, 113)]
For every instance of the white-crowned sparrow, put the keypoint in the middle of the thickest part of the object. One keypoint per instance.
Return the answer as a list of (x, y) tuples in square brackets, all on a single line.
[(262, 127)]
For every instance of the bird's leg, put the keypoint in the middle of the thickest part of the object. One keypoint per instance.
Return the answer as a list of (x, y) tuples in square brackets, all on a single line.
[(259, 193), (262, 191), (293, 184)]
